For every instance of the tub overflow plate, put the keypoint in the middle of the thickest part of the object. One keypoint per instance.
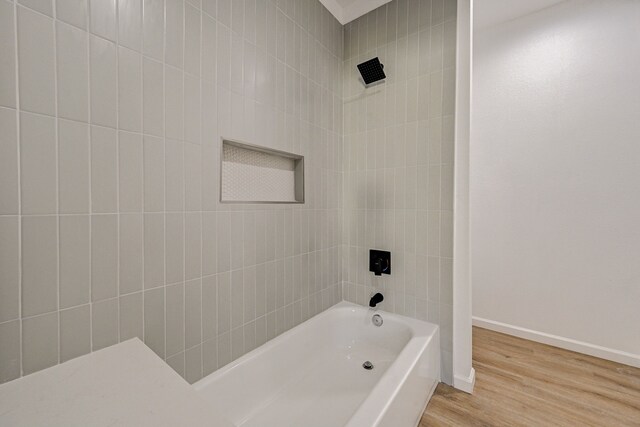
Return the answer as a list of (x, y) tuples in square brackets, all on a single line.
[(367, 365), (377, 320)]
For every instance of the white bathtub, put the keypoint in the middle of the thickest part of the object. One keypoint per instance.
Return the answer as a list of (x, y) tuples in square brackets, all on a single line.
[(312, 375)]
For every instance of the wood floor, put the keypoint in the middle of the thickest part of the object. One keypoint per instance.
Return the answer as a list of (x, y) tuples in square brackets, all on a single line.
[(522, 383)]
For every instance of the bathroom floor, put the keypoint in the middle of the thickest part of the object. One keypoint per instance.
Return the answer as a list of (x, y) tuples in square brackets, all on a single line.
[(520, 382)]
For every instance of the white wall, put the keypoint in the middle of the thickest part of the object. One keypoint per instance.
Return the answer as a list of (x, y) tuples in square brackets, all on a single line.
[(555, 173), (463, 372)]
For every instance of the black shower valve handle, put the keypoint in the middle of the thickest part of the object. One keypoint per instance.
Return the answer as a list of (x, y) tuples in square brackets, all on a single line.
[(379, 262)]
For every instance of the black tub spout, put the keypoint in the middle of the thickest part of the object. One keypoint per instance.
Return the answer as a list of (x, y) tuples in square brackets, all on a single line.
[(375, 300)]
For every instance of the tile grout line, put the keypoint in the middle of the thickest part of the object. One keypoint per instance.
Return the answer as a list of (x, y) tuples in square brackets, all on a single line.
[(118, 132), (91, 210), (164, 183), (200, 121), (57, 164), (142, 214), (19, 159), (184, 191)]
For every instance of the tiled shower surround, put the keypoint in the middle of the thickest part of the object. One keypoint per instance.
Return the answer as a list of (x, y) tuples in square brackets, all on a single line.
[(109, 176), (111, 114), (398, 161)]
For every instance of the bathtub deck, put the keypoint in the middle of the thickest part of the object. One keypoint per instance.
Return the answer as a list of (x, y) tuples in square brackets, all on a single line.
[(520, 382)]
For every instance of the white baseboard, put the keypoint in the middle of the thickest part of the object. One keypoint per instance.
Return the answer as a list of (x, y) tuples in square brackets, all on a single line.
[(465, 383), (561, 342)]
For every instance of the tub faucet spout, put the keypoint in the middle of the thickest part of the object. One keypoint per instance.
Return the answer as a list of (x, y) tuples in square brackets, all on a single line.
[(375, 300)]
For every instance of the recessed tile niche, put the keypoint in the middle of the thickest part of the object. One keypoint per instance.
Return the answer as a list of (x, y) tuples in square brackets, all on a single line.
[(254, 174)]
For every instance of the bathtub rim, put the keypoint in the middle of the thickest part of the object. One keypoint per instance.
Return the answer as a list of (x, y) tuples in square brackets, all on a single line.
[(385, 392)]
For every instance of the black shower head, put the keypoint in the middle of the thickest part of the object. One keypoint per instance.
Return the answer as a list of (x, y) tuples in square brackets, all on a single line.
[(371, 71)]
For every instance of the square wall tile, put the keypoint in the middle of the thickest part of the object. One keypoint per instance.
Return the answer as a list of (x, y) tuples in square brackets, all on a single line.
[(9, 268), (72, 12), (153, 97), (72, 73), (36, 62), (75, 260), (174, 102), (154, 320), (237, 298), (192, 108), (7, 53), (75, 332), (224, 303), (130, 24), (174, 244), (131, 316), (193, 364), (193, 245), (104, 166), (193, 177), (73, 167), (131, 171), (224, 12), (37, 164), (104, 323), (174, 175), (104, 89), (154, 174), (192, 40), (174, 32), (154, 250), (209, 243), (9, 350), (209, 356), (224, 349), (174, 312), (177, 363), (104, 257), (237, 343), (129, 90), (193, 313), (103, 18), (131, 253), (209, 307), (210, 179), (42, 6), (9, 187), (210, 7), (153, 28), (39, 265), (39, 342)]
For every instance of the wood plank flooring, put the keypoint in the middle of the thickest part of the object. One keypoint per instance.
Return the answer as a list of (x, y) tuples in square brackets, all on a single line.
[(523, 383)]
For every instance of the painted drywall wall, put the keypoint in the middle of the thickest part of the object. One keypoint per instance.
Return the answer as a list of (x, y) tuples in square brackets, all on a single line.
[(398, 161), (111, 115), (463, 371), (555, 196)]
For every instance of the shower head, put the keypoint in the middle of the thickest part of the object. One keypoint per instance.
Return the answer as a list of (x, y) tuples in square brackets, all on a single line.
[(371, 71)]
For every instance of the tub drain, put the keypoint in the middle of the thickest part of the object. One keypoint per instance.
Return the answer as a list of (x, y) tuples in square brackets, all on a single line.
[(367, 365)]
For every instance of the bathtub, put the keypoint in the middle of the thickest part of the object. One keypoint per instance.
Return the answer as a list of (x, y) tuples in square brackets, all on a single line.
[(313, 374)]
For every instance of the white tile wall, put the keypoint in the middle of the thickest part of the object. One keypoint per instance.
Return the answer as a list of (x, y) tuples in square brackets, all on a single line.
[(110, 227), (112, 112), (398, 161)]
